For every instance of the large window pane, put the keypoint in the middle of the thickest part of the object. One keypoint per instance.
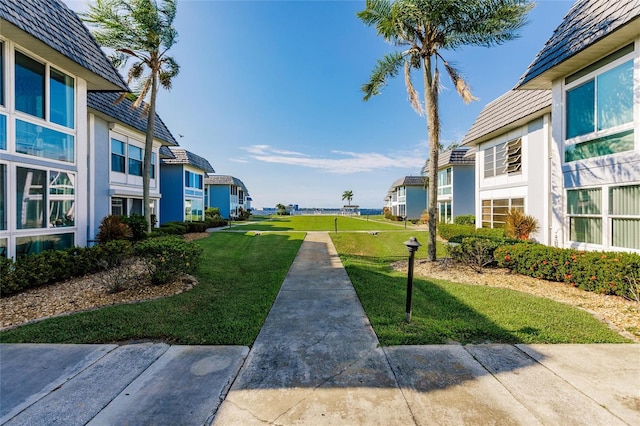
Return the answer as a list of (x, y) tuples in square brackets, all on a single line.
[(39, 243), (118, 156), (625, 233), (135, 160), (1, 74), (29, 85), (581, 110), (584, 201), (136, 206), (3, 247), (3, 195), (612, 144), (615, 96), (586, 230), (3, 132), (118, 206), (44, 142), (624, 200), (61, 199), (153, 165), (30, 198), (61, 92)]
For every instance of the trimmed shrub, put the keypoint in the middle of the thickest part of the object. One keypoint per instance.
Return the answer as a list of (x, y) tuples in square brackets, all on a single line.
[(167, 258), (475, 252), (599, 272), (519, 225), (448, 231), (464, 219), (173, 228), (138, 226)]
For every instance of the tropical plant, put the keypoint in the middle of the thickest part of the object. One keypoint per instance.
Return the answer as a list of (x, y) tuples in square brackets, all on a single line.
[(423, 29), (347, 195), (281, 209), (519, 225), (112, 228), (142, 30)]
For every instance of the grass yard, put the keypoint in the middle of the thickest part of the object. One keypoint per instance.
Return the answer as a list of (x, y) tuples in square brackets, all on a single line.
[(317, 223), (239, 279), (444, 312)]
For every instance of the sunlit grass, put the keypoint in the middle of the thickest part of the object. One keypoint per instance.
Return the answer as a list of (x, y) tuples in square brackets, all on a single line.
[(318, 223)]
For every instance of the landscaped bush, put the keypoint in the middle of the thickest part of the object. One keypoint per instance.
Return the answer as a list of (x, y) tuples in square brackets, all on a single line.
[(464, 219), (448, 231), (476, 252), (113, 228), (194, 227), (166, 258), (58, 265), (173, 228), (138, 226), (519, 225), (600, 272)]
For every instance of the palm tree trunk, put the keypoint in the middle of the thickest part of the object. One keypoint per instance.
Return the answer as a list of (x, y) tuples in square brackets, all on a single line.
[(148, 148), (433, 130)]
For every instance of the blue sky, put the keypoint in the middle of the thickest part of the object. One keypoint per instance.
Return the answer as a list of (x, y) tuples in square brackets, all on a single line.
[(269, 92)]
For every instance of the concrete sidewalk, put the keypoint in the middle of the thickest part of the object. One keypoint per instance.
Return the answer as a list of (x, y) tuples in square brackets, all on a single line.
[(316, 361)]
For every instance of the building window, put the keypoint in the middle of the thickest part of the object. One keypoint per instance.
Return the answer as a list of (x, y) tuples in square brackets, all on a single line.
[(30, 198), (136, 206), (3, 247), (118, 206), (43, 142), (153, 165), (38, 243), (504, 158), (2, 74), (585, 215), (444, 212), (193, 210), (192, 180), (234, 190), (240, 197), (599, 109), (61, 199), (3, 131), (624, 214), (29, 85), (494, 212), (61, 92), (118, 156), (135, 160), (444, 181), (3, 199)]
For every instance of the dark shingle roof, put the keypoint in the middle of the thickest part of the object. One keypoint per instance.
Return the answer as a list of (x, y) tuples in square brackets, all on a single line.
[(123, 111), (224, 180), (507, 112), (54, 24), (586, 23), (182, 156), (455, 156), (409, 181)]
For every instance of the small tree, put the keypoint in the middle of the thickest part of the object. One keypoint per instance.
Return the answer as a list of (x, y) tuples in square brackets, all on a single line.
[(281, 209), (347, 195)]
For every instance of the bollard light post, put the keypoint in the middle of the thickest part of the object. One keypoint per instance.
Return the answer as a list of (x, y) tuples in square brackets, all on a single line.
[(413, 246), (335, 224)]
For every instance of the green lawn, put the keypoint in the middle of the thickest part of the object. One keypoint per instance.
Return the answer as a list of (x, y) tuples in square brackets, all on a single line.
[(238, 282), (445, 312), (318, 223)]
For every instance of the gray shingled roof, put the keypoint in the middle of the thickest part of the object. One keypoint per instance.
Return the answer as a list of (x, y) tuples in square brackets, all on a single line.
[(508, 112), (586, 23), (123, 111), (58, 27), (455, 156), (224, 180), (182, 156), (408, 181)]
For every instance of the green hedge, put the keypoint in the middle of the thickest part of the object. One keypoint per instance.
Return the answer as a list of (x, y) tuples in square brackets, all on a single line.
[(464, 219), (58, 265), (600, 272), (450, 230), (166, 258)]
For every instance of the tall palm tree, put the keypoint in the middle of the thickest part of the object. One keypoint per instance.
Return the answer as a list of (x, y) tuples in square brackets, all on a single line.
[(423, 29), (141, 30), (347, 195)]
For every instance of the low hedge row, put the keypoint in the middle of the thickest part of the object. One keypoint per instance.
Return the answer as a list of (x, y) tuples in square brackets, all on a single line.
[(451, 230), (181, 228), (165, 257), (600, 272)]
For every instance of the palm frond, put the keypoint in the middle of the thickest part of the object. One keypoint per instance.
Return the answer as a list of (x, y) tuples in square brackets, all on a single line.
[(414, 97), (461, 85), (387, 67)]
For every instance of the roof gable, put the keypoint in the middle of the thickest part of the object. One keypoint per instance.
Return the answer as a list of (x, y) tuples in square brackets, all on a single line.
[(224, 180), (587, 23), (182, 156), (123, 111), (452, 157), (59, 28), (510, 110)]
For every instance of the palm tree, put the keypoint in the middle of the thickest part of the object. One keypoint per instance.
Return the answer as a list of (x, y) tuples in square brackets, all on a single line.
[(347, 195), (142, 30), (424, 28), (281, 209)]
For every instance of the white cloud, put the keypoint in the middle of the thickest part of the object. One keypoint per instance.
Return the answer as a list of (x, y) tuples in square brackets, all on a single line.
[(341, 162)]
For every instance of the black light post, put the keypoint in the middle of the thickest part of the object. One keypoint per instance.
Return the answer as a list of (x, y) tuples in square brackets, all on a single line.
[(335, 224), (413, 246)]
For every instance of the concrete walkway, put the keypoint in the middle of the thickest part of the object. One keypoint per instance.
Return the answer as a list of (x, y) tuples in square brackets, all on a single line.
[(316, 361)]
